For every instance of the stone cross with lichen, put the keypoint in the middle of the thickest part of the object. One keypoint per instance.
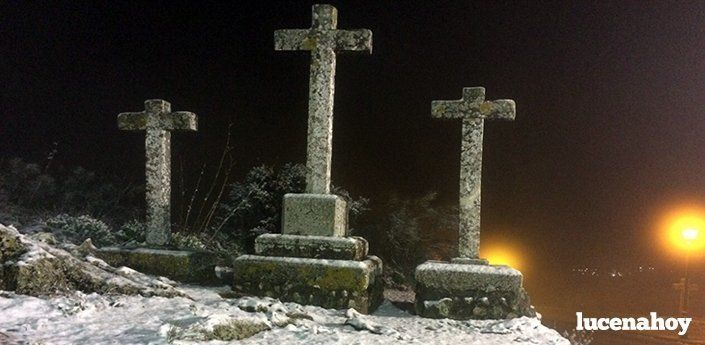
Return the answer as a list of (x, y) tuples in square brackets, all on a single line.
[(157, 120), (323, 40), (473, 110)]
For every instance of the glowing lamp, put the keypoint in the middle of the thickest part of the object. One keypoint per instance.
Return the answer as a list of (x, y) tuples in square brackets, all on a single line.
[(690, 234), (683, 231)]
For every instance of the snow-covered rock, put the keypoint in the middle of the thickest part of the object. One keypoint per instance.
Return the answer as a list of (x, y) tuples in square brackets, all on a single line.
[(360, 323), (33, 267)]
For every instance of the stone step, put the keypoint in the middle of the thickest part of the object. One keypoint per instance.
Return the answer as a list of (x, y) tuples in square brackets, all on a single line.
[(338, 284), (180, 265), (465, 291), (316, 247)]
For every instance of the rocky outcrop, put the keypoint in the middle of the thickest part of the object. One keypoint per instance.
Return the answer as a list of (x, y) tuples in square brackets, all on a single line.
[(33, 267)]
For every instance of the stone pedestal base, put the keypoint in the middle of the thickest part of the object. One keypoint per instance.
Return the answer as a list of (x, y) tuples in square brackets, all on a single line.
[(179, 265), (465, 291), (338, 284)]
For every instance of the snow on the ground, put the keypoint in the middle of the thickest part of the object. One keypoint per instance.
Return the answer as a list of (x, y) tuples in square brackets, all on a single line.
[(104, 319)]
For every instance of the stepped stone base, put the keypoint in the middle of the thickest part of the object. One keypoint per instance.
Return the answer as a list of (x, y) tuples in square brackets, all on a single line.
[(179, 265), (314, 214), (316, 247), (466, 291), (338, 284)]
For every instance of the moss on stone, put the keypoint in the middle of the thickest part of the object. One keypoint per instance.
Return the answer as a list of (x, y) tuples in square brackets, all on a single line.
[(330, 284), (44, 276), (309, 43), (11, 247), (341, 279), (237, 330)]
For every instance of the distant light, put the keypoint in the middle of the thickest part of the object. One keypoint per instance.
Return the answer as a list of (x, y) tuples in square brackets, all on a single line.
[(690, 234), (681, 228)]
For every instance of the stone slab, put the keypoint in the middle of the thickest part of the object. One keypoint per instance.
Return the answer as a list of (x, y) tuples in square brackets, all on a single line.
[(316, 247), (464, 291), (179, 265), (314, 214), (338, 284), (469, 261)]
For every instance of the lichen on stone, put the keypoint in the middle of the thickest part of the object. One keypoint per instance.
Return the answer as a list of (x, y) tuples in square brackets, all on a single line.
[(237, 329)]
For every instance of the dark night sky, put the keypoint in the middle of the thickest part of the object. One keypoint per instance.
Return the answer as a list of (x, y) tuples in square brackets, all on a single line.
[(610, 125)]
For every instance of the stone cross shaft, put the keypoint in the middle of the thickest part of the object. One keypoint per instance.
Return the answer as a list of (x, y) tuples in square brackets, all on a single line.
[(323, 40), (157, 120), (473, 110)]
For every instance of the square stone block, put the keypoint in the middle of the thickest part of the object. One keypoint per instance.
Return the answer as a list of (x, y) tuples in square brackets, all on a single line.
[(314, 214), (316, 247), (179, 265), (338, 284), (464, 291)]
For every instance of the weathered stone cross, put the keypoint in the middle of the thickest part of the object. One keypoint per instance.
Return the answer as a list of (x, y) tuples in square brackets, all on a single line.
[(473, 110), (158, 121), (323, 40)]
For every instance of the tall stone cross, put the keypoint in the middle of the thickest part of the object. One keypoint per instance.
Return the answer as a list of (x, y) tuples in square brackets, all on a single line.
[(157, 120), (323, 40), (473, 110)]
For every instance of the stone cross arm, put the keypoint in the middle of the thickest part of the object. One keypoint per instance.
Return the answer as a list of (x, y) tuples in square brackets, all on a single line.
[(323, 34), (302, 39), (157, 115), (473, 105)]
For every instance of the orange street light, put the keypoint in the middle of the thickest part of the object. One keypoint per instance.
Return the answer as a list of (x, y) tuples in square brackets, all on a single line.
[(681, 228), (683, 231), (690, 235)]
